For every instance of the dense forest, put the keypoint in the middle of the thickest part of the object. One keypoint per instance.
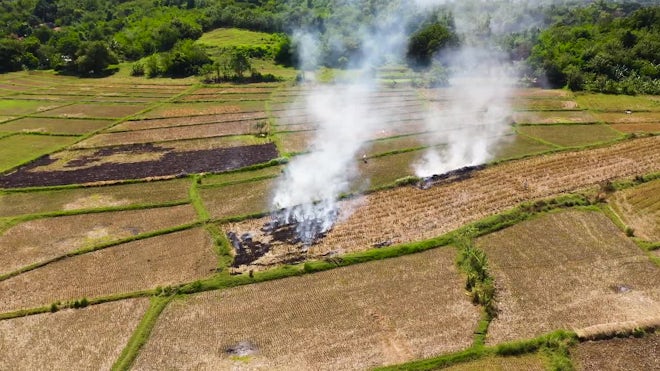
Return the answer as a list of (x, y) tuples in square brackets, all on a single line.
[(608, 46)]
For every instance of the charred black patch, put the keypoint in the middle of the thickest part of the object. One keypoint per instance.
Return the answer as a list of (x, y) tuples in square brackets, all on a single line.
[(170, 164), (247, 250), (450, 176)]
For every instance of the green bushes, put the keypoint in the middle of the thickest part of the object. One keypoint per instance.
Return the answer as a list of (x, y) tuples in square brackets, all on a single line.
[(474, 263)]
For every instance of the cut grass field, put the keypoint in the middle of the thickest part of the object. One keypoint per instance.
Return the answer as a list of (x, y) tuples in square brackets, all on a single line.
[(517, 146), (205, 108), (240, 176), (618, 354), (189, 120), (625, 118), (639, 208), (54, 126), (238, 199), (18, 149), (43, 239), (529, 362), (88, 338), (571, 135), (234, 37), (24, 107), (554, 117), (357, 317), (411, 214), (96, 110), (163, 260), (567, 270), (637, 128), (609, 103), (67, 200)]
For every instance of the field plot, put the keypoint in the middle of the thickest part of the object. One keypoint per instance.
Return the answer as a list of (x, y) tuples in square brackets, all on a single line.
[(54, 126), (628, 118), (42, 239), (89, 338), (144, 264), (533, 362), (294, 142), (136, 161), (554, 117), (238, 199), (539, 104), (23, 107), (14, 204), (206, 108), (535, 93), (189, 120), (174, 133), (17, 149), (640, 208), (571, 135), (271, 171), (637, 128), (362, 316), (517, 145), (384, 170), (610, 103), (412, 214), (567, 270), (619, 354), (5, 118), (96, 110), (221, 96)]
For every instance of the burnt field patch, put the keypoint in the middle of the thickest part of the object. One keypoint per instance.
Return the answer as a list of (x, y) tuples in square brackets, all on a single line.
[(169, 163)]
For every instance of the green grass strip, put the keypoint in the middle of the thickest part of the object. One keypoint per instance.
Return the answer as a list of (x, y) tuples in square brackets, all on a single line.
[(221, 244), (196, 200), (141, 334)]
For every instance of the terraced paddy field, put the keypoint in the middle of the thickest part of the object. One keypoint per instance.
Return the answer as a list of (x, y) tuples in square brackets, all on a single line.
[(89, 338), (372, 314), (619, 354), (130, 200), (586, 272)]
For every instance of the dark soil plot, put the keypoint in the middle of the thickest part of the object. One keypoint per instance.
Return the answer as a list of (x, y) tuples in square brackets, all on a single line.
[(171, 163), (99, 110), (139, 265), (42, 239), (172, 133), (619, 354), (571, 135), (238, 199), (55, 126), (15, 204), (190, 120), (84, 339), (18, 149)]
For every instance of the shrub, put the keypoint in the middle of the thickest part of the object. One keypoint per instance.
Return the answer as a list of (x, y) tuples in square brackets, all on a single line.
[(137, 69)]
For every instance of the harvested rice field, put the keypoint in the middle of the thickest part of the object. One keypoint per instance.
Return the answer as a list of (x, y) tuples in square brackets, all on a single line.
[(412, 214), (145, 264), (118, 196), (238, 199), (653, 128), (554, 117), (639, 207), (18, 149), (357, 317), (54, 126), (96, 110), (571, 136), (618, 354), (43, 239), (527, 362), (567, 270), (88, 338)]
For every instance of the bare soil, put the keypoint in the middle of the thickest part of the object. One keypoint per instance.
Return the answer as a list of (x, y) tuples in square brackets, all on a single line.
[(371, 314), (567, 270), (80, 339), (171, 163)]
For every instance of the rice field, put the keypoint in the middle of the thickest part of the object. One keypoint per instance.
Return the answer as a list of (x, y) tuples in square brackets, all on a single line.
[(639, 207), (43, 239), (533, 362), (554, 117), (164, 260), (238, 199), (96, 110), (618, 354), (18, 149), (571, 136), (567, 270), (349, 318), (54, 126), (88, 338)]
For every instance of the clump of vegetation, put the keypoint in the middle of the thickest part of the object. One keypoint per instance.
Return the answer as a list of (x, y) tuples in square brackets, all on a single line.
[(474, 263)]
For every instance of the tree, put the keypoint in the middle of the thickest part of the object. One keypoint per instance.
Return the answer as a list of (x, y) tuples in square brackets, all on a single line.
[(426, 42), (94, 58), (239, 63)]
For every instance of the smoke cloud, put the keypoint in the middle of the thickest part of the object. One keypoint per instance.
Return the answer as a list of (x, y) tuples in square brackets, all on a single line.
[(469, 118)]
